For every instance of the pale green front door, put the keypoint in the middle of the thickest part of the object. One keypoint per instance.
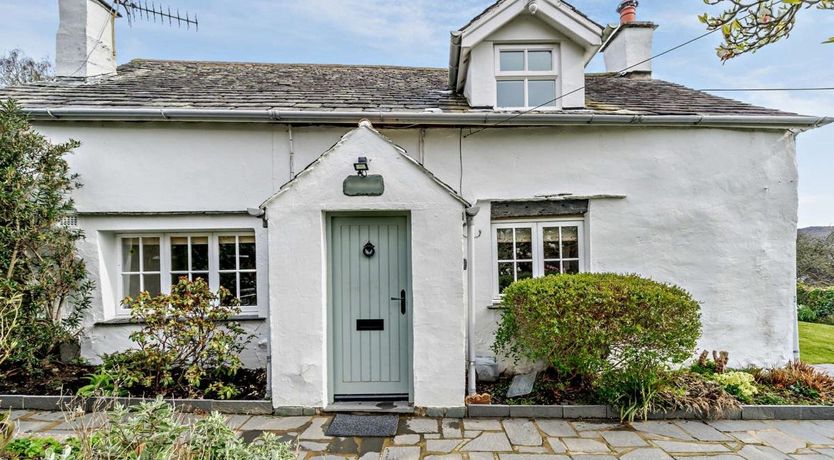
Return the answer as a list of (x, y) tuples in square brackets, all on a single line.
[(370, 307)]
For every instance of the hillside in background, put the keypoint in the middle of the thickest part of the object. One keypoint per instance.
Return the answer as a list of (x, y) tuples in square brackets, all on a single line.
[(820, 232)]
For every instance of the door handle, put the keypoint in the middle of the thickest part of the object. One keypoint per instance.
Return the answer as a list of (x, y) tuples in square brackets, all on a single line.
[(401, 298)]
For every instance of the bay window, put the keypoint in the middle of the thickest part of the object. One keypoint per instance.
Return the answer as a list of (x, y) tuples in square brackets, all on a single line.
[(526, 76), (155, 262), (535, 248)]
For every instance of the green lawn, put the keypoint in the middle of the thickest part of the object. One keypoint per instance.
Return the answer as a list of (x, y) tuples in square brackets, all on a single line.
[(816, 343)]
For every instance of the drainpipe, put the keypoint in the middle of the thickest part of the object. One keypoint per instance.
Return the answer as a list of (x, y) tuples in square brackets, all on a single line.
[(292, 151), (471, 212)]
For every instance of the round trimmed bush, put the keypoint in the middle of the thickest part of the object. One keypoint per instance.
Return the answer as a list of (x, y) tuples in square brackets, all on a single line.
[(592, 323)]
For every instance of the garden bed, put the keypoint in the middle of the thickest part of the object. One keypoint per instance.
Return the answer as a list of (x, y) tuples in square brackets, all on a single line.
[(68, 379)]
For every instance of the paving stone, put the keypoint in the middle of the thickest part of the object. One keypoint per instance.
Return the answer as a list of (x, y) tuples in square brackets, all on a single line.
[(26, 427), (593, 457), (746, 437), (401, 453), (585, 446), (623, 439), (780, 441), (810, 457), (557, 445), (558, 428), (679, 447), (829, 452), (532, 457), (646, 454), (488, 442), (531, 449), (760, 453), (595, 426), (442, 446), (804, 431), (422, 425), (522, 432), (432, 435), (236, 421), (406, 439), (267, 423), (16, 414), (590, 434), (343, 446), (326, 457), (470, 434), (443, 457), (662, 429), (451, 427), (737, 425), (482, 424), (316, 429), (714, 457), (312, 446), (370, 456), (701, 431), (46, 416), (371, 446), (481, 456)]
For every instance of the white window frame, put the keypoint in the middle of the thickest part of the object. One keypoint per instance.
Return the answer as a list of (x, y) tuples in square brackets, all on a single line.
[(527, 75), (165, 263), (141, 272), (537, 227)]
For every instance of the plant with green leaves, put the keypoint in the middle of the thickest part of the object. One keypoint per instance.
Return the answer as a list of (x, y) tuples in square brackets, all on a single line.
[(617, 332), (816, 304), (38, 256), (815, 259), (187, 344), (740, 384), (9, 313), (750, 25)]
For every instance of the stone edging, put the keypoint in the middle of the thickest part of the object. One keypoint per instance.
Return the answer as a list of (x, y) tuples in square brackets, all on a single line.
[(606, 412), (56, 403)]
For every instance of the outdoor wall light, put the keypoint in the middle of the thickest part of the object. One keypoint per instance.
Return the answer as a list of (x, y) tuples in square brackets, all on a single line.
[(361, 166)]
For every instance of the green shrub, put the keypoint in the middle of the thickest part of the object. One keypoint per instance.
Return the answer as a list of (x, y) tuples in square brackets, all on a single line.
[(820, 300), (806, 314), (32, 448), (187, 343), (588, 324), (742, 385)]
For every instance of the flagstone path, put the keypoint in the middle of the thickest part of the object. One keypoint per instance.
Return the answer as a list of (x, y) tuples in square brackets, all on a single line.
[(523, 439)]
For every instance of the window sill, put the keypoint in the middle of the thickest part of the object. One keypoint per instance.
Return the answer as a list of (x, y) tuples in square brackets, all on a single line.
[(122, 320), (496, 305)]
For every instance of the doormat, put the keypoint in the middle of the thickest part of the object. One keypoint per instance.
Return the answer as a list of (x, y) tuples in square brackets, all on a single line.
[(371, 426)]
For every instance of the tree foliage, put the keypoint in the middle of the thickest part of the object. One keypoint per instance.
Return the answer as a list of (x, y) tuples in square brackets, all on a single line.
[(749, 25), (17, 69), (815, 259), (38, 258)]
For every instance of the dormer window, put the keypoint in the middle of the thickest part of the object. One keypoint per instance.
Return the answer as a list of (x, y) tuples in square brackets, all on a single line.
[(526, 76)]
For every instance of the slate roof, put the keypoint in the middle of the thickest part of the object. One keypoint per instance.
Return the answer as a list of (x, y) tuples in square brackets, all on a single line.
[(321, 87)]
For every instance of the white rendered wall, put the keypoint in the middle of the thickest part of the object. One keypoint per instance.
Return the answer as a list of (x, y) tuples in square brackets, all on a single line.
[(712, 210), (298, 263)]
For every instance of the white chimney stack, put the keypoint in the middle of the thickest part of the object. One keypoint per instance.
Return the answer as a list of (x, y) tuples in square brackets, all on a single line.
[(629, 46), (86, 39)]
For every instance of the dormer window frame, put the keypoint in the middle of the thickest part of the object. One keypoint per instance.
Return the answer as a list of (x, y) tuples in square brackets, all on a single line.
[(526, 75)]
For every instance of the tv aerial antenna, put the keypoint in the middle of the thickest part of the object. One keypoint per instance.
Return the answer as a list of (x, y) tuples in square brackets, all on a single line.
[(141, 10)]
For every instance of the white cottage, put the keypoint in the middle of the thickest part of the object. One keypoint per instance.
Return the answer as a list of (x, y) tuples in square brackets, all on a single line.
[(368, 217)]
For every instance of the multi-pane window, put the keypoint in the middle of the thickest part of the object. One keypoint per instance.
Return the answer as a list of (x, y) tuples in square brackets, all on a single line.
[(237, 267), (141, 267), (526, 76), (531, 249), (154, 263)]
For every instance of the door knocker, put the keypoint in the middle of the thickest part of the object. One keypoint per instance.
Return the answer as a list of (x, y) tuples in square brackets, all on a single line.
[(369, 250)]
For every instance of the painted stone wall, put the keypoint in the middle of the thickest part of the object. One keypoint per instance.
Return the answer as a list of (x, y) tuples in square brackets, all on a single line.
[(713, 210)]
